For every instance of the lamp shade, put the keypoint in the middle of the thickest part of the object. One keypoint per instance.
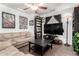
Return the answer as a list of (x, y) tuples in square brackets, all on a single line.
[(67, 16)]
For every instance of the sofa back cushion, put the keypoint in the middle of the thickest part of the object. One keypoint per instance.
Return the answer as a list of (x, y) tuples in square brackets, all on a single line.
[(1, 38), (7, 35), (4, 36), (14, 36)]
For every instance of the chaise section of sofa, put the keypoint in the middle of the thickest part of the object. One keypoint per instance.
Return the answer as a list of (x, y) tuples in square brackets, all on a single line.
[(18, 39), (7, 49)]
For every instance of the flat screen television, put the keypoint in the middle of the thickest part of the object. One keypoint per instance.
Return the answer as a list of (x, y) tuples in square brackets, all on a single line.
[(56, 28)]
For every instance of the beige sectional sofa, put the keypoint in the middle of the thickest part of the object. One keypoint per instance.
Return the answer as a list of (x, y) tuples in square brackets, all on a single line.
[(18, 39), (9, 42)]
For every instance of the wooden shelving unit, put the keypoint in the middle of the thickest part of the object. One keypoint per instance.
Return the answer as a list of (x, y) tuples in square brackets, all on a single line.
[(38, 27)]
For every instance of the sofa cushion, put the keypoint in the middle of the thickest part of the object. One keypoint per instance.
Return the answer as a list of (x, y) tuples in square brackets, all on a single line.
[(10, 51), (11, 41), (25, 34), (2, 37), (5, 36), (16, 34), (4, 44), (21, 41)]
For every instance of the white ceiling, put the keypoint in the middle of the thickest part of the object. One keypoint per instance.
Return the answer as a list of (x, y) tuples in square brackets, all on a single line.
[(51, 7)]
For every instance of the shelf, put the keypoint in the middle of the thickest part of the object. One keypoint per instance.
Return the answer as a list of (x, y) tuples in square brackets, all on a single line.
[(39, 31), (38, 27)]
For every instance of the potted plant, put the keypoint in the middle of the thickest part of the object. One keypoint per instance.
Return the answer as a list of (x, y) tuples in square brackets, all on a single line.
[(75, 42)]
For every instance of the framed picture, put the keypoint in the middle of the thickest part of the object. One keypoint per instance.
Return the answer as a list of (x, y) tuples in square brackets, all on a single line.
[(31, 23), (23, 22), (8, 20)]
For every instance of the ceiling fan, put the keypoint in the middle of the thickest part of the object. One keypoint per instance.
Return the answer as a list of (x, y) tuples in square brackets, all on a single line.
[(36, 7)]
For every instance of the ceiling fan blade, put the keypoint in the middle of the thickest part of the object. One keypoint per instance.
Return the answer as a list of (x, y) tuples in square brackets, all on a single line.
[(42, 7), (26, 8)]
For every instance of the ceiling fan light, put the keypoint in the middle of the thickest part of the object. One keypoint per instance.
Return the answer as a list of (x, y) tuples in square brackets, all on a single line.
[(34, 7)]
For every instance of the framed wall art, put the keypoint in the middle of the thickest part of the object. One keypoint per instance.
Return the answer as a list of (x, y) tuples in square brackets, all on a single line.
[(31, 22), (8, 20), (23, 22)]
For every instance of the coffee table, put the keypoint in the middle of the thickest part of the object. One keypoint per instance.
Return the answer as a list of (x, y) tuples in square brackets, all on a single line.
[(40, 45)]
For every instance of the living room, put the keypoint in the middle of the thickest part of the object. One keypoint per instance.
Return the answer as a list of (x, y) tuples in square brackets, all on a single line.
[(18, 29)]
